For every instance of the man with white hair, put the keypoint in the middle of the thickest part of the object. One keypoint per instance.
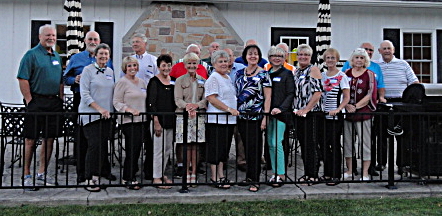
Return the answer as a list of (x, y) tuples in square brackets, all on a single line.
[(147, 63), (398, 75), (40, 80), (179, 68)]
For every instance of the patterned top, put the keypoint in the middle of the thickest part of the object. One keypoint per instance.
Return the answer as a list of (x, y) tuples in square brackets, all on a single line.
[(333, 86), (305, 87), (361, 86), (250, 93)]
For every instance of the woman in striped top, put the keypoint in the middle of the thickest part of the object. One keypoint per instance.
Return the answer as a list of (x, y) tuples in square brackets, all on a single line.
[(335, 96)]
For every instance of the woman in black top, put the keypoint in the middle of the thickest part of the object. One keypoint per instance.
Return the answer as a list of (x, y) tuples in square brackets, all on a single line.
[(283, 92), (161, 99)]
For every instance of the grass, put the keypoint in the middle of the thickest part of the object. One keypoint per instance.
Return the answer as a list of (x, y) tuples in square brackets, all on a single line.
[(420, 206)]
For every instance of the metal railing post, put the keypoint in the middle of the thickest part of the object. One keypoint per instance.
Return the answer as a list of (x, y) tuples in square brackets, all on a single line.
[(391, 185), (184, 187)]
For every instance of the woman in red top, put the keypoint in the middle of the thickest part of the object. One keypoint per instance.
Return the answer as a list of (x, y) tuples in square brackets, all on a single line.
[(363, 96)]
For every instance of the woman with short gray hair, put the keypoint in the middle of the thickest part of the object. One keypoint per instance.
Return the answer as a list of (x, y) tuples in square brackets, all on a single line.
[(97, 89), (222, 99)]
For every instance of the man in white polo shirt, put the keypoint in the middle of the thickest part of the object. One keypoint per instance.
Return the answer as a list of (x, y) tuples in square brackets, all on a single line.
[(397, 76)]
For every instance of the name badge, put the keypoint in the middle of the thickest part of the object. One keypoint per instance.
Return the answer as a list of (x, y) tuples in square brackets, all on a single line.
[(172, 82), (143, 90), (150, 72), (277, 79), (201, 82), (257, 78), (55, 62), (302, 77), (333, 81), (108, 77)]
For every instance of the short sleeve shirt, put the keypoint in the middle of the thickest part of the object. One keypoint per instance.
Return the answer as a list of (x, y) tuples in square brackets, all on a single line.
[(225, 92), (42, 69), (250, 93)]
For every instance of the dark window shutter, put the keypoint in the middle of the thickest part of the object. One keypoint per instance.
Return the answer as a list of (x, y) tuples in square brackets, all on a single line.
[(394, 36), (35, 26), (439, 55), (106, 31)]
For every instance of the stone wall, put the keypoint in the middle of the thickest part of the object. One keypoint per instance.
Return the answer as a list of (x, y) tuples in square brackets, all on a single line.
[(171, 27)]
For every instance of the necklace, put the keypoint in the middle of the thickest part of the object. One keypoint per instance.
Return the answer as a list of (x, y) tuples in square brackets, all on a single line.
[(250, 74)]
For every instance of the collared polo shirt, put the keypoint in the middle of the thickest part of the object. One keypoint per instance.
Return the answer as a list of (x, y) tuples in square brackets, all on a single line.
[(42, 69)]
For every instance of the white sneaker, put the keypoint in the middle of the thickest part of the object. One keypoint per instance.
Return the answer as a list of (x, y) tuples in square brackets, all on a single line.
[(28, 182), (44, 179), (365, 178), (346, 175)]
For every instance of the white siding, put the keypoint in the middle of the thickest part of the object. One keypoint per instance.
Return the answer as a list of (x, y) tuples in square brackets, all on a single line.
[(16, 24), (351, 25)]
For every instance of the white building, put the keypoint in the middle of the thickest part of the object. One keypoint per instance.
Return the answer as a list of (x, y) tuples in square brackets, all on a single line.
[(415, 27)]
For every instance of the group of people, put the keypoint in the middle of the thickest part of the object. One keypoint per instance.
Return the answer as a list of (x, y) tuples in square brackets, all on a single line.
[(204, 103)]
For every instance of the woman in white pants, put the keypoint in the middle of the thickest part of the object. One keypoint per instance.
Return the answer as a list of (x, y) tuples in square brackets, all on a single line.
[(161, 99)]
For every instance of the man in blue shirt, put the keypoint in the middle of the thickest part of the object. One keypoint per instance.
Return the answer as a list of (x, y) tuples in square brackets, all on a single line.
[(261, 63), (72, 76), (40, 81)]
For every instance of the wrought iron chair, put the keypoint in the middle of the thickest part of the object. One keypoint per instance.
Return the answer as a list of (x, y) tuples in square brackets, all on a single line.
[(11, 130)]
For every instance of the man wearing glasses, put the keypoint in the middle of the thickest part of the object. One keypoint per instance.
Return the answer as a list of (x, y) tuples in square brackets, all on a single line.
[(72, 76)]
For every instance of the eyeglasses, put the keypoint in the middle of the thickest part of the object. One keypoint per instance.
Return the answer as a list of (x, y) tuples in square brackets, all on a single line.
[(368, 49), (276, 56)]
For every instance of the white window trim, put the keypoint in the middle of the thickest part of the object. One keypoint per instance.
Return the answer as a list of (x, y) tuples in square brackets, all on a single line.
[(433, 49)]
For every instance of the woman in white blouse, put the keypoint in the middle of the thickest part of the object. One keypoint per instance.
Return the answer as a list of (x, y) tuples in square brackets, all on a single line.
[(222, 98)]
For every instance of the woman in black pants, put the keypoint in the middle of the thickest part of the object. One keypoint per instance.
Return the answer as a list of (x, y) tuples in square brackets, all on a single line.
[(308, 112), (253, 92), (335, 97)]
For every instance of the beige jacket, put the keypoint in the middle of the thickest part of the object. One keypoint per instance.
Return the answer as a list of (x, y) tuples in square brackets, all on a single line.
[(183, 92)]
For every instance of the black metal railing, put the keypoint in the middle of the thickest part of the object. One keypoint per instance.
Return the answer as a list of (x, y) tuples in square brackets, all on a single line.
[(413, 156)]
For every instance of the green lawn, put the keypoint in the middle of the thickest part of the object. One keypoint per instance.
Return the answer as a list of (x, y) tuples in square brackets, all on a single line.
[(422, 206)]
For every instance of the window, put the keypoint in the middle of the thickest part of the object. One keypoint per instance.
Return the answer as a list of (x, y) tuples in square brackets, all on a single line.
[(293, 43), (105, 29), (294, 37), (61, 46), (417, 52)]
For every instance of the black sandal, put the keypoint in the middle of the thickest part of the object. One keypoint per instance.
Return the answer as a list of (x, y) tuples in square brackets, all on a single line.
[(254, 187), (132, 185), (93, 186), (307, 180), (220, 184), (333, 182)]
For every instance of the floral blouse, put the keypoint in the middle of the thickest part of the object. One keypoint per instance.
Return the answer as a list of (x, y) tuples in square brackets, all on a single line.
[(250, 93)]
